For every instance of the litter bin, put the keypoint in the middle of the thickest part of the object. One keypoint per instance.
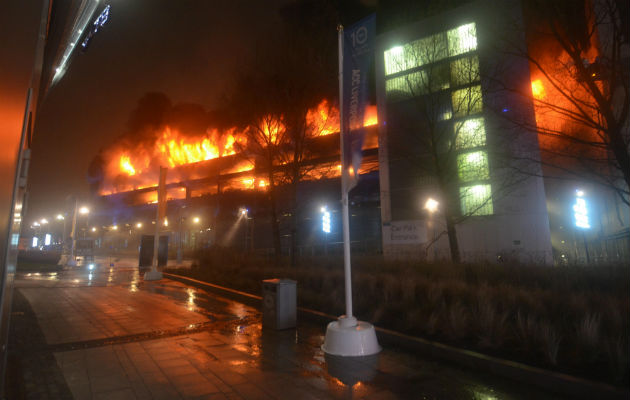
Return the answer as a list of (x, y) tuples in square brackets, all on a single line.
[(279, 303)]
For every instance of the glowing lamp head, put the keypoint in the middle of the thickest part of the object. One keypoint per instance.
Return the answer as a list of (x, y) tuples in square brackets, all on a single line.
[(43, 221), (431, 205), (59, 217), (115, 227), (139, 225), (84, 210), (196, 220), (93, 229)]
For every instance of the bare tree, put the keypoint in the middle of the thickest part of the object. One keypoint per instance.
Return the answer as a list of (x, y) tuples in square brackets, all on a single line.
[(579, 58), (305, 60), (258, 114)]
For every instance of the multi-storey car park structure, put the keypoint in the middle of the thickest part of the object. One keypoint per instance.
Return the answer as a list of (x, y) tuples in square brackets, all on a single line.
[(446, 161)]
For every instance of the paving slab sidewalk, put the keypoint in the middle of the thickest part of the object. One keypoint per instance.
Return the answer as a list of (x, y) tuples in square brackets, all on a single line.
[(107, 334)]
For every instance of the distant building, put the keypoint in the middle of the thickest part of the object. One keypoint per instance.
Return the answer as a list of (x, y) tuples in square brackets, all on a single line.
[(447, 136)]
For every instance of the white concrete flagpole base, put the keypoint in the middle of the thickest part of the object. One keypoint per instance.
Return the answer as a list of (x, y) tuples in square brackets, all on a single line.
[(348, 337), (153, 275)]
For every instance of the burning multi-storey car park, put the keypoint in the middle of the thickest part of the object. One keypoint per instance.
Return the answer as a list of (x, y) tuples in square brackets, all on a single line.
[(217, 189)]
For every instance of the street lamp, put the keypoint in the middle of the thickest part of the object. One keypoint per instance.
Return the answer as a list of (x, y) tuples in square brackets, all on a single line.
[(59, 217), (139, 225), (43, 221), (432, 205), (196, 220), (84, 210)]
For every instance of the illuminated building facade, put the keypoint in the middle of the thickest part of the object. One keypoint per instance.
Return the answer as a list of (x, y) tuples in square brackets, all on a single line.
[(444, 136)]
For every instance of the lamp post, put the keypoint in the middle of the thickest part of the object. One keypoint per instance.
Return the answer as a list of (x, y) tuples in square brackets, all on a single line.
[(242, 213), (85, 211), (60, 217), (431, 206)]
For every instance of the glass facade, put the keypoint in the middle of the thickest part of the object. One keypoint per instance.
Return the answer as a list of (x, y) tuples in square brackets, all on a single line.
[(462, 39), (467, 101), (447, 63), (476, 200), (473, 166), (470, 133)]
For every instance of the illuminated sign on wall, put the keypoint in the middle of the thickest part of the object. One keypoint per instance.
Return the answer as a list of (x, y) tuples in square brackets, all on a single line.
[(47, 239), (325, 220), (35, 240), (580, 211)]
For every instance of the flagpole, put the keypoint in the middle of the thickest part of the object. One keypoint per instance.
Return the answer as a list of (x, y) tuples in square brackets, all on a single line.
[(344, 190), (346, 336)]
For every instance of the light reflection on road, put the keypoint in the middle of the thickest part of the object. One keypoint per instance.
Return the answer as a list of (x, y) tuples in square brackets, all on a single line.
[(297, 351)]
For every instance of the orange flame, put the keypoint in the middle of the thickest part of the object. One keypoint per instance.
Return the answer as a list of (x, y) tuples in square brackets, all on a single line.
[(323, 119), (134, 168), (125, 165), (538, 90)]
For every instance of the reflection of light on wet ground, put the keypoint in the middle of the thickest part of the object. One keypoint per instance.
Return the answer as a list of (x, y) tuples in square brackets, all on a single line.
[(191, 299), (236, 363), (239, 310), (76, 281), (90, 276), (133, 287)]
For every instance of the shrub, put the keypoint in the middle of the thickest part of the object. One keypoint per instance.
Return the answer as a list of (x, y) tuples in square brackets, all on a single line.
[(575, 319)]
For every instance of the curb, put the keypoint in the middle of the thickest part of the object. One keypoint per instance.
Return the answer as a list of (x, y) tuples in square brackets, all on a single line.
[(549, 380)]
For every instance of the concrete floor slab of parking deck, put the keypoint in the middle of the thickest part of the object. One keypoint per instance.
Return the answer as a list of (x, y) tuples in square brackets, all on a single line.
[(104, 333)]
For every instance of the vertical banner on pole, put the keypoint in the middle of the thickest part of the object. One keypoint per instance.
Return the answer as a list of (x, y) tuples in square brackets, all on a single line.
[(347, 336), (358, 51)]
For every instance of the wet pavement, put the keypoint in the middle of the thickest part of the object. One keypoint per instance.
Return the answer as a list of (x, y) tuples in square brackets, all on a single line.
[(107, 334)]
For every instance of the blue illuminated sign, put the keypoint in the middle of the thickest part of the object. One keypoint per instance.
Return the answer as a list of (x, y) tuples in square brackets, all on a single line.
[(580, 211), (325, 220)]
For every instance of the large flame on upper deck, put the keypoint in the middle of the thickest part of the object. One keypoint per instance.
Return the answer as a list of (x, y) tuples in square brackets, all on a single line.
[(133, 165)]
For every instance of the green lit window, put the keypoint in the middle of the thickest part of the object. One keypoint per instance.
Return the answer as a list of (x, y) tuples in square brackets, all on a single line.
[(462, 39), (473, 166), (476, 200), (395, 60), (415, 54), (465, 71), (470, 133), (429, 80), (406, 86), (467, 101)]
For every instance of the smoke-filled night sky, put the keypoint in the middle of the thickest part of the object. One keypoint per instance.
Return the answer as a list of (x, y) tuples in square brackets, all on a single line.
[(189, 50)]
